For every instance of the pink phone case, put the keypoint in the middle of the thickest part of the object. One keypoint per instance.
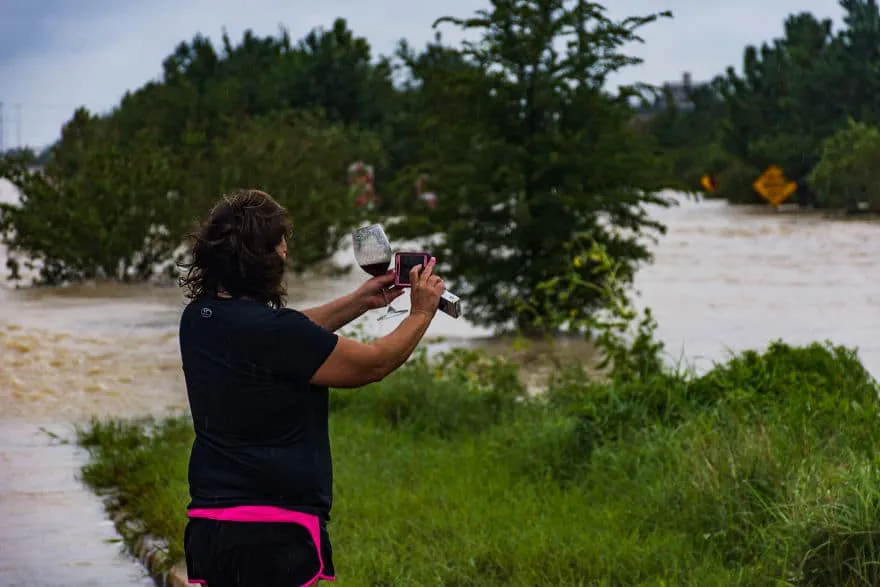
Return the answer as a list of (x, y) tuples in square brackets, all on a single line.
[(425, 258)]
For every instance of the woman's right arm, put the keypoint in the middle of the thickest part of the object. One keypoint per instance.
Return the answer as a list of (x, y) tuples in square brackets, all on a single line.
[(354, 364)]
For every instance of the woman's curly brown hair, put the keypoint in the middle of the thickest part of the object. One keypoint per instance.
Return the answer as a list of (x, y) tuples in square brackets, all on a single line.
[(235, 250)]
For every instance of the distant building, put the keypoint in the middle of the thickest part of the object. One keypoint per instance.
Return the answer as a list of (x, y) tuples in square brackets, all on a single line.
[(679, 92)]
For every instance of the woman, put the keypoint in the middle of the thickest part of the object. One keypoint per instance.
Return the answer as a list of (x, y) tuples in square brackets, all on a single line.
[(257, 376)]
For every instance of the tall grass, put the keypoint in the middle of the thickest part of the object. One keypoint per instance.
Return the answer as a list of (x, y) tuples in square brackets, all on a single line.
[(760, 472)]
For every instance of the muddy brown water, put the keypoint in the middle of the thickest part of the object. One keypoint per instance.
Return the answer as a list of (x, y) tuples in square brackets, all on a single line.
[(730, 278), (724, 279)]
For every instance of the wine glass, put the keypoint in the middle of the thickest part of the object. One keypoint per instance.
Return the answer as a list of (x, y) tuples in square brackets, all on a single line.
[(372, 251)]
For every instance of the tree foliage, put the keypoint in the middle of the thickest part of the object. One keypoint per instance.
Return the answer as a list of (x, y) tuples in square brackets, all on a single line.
[(848, 173), (118, 192), (689, 137), (102, 210), (516, 132), (777, 113), (301, 160), (529, 150), (116, 207), (788, 96)]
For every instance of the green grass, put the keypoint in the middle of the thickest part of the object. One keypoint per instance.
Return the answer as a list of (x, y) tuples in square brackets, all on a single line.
[(761, 472)]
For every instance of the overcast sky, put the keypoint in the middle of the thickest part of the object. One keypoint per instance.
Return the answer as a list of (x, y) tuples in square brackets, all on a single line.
[(58, 54)]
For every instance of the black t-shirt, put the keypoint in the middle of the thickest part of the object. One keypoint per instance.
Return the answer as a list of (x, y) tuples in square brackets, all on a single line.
[(261, 429)]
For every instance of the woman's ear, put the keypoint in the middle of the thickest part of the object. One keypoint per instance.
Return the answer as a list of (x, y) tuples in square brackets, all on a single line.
[(281, 249)]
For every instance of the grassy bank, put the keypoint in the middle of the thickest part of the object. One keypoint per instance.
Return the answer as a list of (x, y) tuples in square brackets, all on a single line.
[(760, 472)]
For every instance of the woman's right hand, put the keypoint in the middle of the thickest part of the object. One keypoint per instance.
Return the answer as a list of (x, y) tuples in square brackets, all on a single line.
[(426, 289)]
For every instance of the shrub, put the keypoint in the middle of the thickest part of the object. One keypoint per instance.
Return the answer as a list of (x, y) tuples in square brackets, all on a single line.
[(97, 211), (735, 183), (820, 387), (301, 159), (108, 206), (848, 173), (625, 339)]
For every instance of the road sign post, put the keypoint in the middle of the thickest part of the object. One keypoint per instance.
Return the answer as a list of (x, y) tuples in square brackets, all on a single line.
[(773, 186)]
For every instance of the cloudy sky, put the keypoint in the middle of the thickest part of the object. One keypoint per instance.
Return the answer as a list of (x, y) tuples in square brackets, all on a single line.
[(58, 54)]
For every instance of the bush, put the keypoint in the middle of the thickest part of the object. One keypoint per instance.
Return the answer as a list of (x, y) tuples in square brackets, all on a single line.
[(109, 208), (823, 387), (735, 183), (691, 163), (820, 381), (301, 159), (98, 210), (847, 176)]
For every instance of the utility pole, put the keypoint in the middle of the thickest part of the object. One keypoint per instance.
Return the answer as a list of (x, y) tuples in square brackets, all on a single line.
[(1, 128), (18, 125)]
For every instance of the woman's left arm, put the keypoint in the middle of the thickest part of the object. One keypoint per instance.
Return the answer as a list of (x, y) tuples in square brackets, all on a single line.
[(374, 293), (335, 314)]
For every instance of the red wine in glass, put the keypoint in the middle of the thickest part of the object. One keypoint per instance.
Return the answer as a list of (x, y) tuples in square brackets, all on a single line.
[(375, 269)]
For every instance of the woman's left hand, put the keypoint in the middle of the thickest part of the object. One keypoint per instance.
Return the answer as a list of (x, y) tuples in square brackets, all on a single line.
[(377, 292)]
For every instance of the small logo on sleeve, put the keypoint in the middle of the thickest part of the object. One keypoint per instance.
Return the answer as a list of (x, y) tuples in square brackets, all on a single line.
[(207, 312)]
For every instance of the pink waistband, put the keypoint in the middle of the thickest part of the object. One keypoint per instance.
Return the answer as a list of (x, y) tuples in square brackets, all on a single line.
[(266, 513), (255, 513)]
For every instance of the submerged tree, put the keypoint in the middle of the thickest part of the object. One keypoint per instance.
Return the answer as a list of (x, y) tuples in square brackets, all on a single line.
[(529, 151), (118, 192), (99, 209)]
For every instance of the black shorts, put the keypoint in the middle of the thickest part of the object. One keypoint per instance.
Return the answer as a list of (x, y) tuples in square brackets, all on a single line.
[(254, 554)]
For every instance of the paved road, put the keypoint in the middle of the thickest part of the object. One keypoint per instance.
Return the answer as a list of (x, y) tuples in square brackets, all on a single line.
[(53, 532)]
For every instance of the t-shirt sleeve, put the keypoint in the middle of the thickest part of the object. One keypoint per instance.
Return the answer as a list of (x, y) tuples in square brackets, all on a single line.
[(300, 346)]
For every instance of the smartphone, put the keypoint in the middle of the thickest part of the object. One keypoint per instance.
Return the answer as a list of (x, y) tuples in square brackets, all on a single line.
[(403, 264)]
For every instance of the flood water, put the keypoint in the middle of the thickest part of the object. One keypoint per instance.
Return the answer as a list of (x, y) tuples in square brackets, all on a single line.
[(724, 279), (732, 278)]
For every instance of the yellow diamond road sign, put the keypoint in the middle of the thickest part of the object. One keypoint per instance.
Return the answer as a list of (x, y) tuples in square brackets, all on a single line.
[(773, 186)]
